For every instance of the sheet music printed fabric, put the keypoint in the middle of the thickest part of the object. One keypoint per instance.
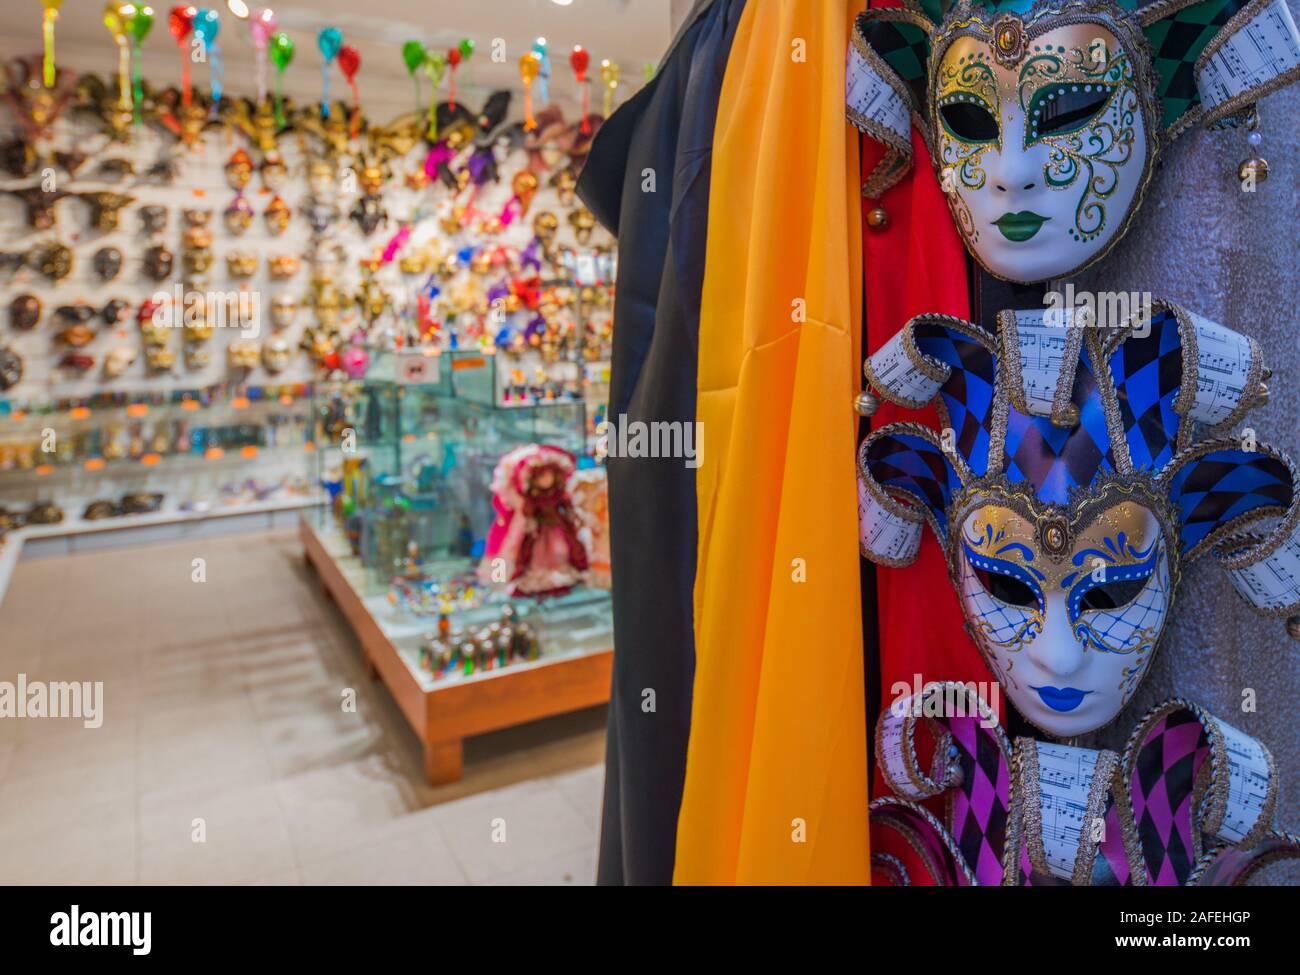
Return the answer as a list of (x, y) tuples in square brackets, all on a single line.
[(1224, 359), (1065, 783), (1043, 339), (883, 533), (1267, 47)]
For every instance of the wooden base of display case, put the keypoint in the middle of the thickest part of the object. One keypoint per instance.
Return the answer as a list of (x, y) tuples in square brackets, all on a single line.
[(443, 717)]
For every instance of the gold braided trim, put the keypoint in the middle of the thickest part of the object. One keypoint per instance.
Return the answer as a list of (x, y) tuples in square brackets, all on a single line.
[(883, 813)]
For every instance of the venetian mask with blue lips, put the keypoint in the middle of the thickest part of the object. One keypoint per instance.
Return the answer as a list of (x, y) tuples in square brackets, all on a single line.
[(1067, 611), (1075, 471)]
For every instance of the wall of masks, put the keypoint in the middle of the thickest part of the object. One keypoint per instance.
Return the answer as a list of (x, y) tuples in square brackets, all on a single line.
[(209, 264)]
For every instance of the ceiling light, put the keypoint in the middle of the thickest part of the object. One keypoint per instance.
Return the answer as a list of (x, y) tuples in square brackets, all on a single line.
[(238, 8)]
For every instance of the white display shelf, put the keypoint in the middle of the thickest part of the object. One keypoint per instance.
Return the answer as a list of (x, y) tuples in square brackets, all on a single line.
[(81, 526), (180, 463)]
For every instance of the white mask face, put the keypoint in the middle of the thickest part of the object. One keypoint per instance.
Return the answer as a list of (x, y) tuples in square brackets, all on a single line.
[(1069, 639), (1043, 155), (283, 311)]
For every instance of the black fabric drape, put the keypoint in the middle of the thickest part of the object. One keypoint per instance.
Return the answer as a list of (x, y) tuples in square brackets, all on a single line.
[(647, 180)]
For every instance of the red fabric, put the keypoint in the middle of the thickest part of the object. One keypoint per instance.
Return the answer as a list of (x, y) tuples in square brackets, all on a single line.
[(915, 264)]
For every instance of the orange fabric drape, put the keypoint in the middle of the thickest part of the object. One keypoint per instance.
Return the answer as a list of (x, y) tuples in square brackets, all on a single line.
[(776, 776)]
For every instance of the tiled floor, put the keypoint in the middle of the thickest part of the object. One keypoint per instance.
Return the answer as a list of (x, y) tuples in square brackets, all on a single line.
[(225, 755)]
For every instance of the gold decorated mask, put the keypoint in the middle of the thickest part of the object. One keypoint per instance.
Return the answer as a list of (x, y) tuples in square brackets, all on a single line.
[(284, 309), (39, 204), (239, 215), (197, 327), (565, 182), (196, 261), (283, 266), (372, 300), (1044, 120), (197, 238), (276, 215), (583, 222), (276, 355), (545, 225), (371, 178), (243, 354), (239, 169), (320, 178), (415, 263), (328, 304), (1067, 610), (106, 208), (274, 172), (1044, 144), (53, 260), (197, 356), (159, 358), (241, 264)]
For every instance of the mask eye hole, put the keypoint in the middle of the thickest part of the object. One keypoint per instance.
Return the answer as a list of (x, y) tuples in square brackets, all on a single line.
[(969, 121), (1063, 109), (1006, 589), (1112, 595)]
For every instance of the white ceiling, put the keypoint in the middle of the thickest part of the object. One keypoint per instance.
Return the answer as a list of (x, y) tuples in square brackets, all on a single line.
[(630, 32)]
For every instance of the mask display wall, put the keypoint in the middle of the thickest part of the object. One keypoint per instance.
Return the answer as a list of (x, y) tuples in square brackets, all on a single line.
[(1085, 463), (454, 250), (240, 223)]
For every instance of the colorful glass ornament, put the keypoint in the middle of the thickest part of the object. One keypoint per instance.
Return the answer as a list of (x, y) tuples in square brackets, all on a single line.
[(180, 24), (281, 48), (530, 65), (48, 18), (435, 66), (207, 23), (329, 40), (609, 76), (350, 64), (580, 60)]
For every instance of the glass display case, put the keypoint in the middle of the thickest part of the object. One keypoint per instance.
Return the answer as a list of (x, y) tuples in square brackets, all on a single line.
[(115, 461), (407, 458)]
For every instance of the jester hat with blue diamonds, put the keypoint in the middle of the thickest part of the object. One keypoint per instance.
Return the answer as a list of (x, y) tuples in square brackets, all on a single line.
[(1053, 415)]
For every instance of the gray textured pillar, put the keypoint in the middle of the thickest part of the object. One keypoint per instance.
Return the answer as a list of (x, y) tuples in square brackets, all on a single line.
[(1230, 256)]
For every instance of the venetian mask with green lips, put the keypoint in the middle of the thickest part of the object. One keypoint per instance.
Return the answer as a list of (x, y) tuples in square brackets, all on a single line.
[(1042, 153), (1044, 120)]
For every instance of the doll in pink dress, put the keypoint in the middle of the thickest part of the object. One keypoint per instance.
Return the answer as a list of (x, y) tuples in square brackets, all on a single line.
[(533, 544)]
